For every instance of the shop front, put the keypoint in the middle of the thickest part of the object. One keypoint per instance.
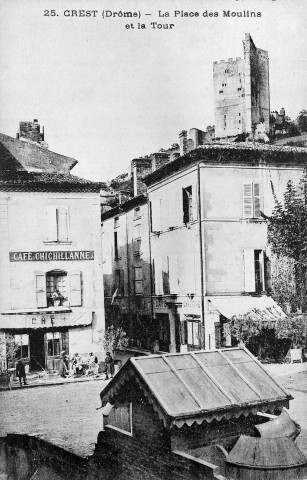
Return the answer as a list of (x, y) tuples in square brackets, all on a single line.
[(41, 336)]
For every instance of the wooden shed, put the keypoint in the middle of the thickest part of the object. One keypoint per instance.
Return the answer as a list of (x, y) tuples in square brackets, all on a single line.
[(179, 415)]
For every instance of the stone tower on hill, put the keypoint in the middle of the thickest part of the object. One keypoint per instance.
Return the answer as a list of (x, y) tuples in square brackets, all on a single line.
[(242, 94)]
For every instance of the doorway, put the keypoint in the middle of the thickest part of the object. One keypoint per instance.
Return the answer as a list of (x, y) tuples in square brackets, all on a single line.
[(37, 350)]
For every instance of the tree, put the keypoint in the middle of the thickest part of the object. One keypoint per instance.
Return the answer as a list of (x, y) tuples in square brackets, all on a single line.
[(243, 328), (293, 328), (302, 121), (287, 237), (112, 339), (8, 349)]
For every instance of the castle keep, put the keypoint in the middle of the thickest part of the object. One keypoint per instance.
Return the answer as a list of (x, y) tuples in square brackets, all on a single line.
[(241, 93)]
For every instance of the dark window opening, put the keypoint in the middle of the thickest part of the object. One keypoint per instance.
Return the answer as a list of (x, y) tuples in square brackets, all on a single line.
[(23, 346), (259, 271), (116, 256), (187, 204)]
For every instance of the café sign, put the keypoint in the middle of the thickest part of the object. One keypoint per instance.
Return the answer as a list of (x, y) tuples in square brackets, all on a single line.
[(52, 256)]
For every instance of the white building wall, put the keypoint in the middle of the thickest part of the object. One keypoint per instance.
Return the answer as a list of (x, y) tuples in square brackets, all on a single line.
[(23, 222)]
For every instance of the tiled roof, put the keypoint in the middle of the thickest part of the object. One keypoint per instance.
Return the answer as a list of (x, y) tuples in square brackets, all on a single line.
[(245, 154), (47, 182), (30, 157), (202, 385), (124, 207)]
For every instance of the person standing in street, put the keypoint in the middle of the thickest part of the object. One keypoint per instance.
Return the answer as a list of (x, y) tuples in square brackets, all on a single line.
[(21, 371), (108, 366)]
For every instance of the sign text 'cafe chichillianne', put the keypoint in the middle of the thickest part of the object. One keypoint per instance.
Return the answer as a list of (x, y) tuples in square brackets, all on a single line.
[(51, 256)]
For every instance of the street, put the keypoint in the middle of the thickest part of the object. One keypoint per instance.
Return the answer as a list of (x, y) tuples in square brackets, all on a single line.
[(66, 415)]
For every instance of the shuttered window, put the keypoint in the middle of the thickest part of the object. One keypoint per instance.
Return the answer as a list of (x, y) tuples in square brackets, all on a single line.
[(190, 332), (158, 276), (173, 273), (138, 280), (56, 224), (41, 289), (254, 274), (251, 200), (75, 283), (62, 224)]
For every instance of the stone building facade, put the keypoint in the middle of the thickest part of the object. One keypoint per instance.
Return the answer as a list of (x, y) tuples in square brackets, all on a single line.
[(51, 257), (127, 270), (203, 242), (241, 94), (208, 239)]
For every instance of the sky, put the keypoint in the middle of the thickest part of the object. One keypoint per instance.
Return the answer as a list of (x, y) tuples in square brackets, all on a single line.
[(106, 93)]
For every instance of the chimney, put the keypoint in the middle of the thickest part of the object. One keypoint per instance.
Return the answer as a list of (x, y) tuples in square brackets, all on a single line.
[(183, 142)]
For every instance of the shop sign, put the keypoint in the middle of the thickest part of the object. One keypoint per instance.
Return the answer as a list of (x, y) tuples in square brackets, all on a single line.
[(52, 256), (191, 304), (45, 320), (159, 303)]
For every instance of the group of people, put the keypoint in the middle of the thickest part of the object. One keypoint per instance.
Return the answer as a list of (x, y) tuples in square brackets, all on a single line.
[(85, 365)]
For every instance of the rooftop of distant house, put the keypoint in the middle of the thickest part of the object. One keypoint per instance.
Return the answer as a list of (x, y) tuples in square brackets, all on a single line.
[(28, 167), (240, 153), (124, 207)]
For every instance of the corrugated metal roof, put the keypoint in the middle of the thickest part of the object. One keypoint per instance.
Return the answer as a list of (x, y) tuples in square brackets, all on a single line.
[(203, 385), (266, 453), (261, 308)]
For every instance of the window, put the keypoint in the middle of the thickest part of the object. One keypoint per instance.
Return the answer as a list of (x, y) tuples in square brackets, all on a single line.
[(137, 247), (56, 284), (254, 271), (137, 231), (173, 273), (137, 213), (157, 275), (23, 346), (119, 281), (259, 271), (116, 222), (53, 344), (190, 332), (138, 280), (251, 200), (120, 418), (57, 224), (150, 216), (58, 288), (189, 204), (162, 330), (165, 276), (116, 256), (137, 239)]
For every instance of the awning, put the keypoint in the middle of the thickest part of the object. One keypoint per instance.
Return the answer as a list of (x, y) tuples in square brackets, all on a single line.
[(45, 319), (259, 308)]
